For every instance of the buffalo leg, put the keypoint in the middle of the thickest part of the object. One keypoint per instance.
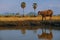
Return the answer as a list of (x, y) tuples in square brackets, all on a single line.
[(50, 17), (42, 18), (45, 18)]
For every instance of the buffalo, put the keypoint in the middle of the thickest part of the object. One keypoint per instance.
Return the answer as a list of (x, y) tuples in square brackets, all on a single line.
[(46, 13)]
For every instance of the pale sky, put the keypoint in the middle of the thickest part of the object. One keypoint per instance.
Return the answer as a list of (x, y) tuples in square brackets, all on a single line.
[(13, 6)]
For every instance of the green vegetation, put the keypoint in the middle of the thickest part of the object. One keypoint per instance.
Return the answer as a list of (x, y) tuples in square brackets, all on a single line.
[(23, 5), (34, 6)]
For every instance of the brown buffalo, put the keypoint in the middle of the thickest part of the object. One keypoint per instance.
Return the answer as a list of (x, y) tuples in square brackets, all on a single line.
[(45, 35), (45, 13)]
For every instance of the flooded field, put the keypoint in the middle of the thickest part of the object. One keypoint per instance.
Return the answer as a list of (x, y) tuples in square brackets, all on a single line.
[(29, 34)]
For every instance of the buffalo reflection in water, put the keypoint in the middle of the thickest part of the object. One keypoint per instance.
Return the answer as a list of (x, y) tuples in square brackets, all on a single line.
[(23, 30), (45, 35)]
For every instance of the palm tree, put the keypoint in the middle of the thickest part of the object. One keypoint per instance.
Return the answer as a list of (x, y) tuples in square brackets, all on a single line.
[(23, 5), (34, 6)]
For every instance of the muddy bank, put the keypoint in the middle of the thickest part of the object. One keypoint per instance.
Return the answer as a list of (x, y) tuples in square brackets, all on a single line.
[(30, 23)]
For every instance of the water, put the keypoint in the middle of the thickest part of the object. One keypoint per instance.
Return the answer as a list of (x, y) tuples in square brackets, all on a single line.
[(33, 34)]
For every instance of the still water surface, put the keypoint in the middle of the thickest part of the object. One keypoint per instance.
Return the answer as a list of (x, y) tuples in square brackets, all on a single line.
[(25, 34)]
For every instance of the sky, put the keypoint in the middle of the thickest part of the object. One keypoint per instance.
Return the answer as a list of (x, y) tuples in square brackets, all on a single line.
[(14, 6)]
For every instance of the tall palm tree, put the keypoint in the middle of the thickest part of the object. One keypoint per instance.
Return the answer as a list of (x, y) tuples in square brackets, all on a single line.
[(34, 6), (23, 5)]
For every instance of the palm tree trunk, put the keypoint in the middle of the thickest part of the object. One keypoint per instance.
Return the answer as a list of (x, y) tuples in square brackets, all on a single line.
[(23, 12), (34, 11)]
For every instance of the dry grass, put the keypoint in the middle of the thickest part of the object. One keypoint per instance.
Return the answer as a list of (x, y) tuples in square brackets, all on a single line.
[(26, 18)]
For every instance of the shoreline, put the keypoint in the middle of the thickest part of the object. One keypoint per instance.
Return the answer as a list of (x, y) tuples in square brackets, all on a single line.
[(13, 22), (30, 23)]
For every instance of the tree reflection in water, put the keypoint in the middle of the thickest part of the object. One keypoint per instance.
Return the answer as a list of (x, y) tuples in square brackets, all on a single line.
[(34, 30), (45, 35), (23, 30)]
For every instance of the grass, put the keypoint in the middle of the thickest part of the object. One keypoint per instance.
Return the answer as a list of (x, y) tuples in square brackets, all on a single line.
[(27, 18)]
